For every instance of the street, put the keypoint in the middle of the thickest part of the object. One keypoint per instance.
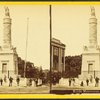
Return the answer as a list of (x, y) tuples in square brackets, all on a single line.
[(45, 89), (24, 89)]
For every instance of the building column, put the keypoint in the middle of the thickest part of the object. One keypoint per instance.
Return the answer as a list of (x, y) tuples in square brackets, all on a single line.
[(64, 61), (52, 59), (59, 61)]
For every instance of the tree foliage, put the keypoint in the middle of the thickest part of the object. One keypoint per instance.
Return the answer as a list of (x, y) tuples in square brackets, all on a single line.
[(21, 66), (32, 71), (73, 66)]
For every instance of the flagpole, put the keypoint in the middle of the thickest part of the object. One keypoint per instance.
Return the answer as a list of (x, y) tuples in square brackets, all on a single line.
[(26, 48), (50, 48)]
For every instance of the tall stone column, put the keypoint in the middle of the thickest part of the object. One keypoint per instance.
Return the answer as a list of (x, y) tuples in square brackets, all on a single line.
[(92, 29), (7, 29)]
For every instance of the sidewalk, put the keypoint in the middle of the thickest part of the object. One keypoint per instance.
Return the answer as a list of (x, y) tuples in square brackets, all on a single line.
[(24, 89)]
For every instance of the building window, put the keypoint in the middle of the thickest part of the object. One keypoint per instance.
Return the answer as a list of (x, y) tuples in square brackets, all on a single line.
[(4, 68), (90, 67)]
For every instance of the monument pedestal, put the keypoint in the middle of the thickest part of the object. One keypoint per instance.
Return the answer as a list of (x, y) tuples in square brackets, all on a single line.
[(8, 62)]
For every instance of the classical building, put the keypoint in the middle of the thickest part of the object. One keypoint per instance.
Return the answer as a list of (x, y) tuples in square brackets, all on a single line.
[(91, 53), (58, 55), (8, 54)]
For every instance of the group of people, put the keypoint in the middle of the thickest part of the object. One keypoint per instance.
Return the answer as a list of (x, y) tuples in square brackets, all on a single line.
[(90, 81), (71, 81), (30, 82), (86, 82), (10, 81)]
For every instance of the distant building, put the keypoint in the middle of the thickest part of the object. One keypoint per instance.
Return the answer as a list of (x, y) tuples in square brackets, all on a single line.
[(58, 55), (8, 54)]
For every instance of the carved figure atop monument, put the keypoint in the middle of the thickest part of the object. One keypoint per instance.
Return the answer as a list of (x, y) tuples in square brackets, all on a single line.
[(7, 11), (92, 11)]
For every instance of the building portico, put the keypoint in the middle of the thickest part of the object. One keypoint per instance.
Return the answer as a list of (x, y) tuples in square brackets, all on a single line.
[(58, 56)]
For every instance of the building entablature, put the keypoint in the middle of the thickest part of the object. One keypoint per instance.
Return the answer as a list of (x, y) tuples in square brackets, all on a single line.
[(57, 43), (91, 53)]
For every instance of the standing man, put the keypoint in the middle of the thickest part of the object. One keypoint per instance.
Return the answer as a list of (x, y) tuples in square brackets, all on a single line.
[(10, 81), (69, 81), (18, 80), (1, 81), (87, 82), (96, 82)]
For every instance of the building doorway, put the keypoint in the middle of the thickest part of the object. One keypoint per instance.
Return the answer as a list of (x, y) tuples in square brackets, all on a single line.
[(4, 67)]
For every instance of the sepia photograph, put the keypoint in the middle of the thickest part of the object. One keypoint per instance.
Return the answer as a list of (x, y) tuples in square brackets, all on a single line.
[(49, 49)]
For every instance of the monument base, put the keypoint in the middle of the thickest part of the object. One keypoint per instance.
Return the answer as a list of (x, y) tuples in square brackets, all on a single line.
[(86, 74)]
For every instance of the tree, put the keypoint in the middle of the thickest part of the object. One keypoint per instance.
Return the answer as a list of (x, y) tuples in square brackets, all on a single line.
[(29, 69), (32, 71), (73, 66), (55, 77), (21, 66)]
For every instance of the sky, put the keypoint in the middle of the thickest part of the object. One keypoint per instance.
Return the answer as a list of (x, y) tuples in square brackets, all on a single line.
[(70, 24)]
